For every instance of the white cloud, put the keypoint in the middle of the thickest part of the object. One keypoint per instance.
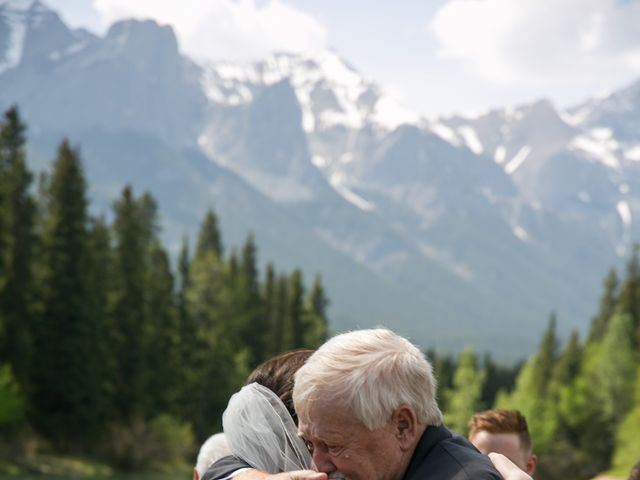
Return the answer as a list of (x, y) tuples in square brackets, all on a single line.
[(225, 29), (534, 41)]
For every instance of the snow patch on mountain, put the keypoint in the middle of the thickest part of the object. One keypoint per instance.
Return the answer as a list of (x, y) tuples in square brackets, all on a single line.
[(624, 211), (319, 161), (633, 153), (337, 181), (518, 159), (446, 260), (599, 145), (471, 139), (584, 197), (57, 55), (444, 132), (520, 233), (15, 15), (576, 118), (389, 113)]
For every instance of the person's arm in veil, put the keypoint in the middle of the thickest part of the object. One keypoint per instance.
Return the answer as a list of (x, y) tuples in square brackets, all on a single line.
[(253, 474), (507, 468)]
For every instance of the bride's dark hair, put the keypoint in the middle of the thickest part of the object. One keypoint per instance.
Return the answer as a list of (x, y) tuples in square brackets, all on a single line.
[(277, 375)]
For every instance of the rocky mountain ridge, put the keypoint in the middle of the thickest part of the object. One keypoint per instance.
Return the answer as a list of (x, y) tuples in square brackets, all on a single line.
[(454, 230)]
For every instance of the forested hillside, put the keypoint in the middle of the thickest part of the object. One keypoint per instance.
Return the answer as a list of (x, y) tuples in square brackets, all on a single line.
[(108, 352), (581, 399)]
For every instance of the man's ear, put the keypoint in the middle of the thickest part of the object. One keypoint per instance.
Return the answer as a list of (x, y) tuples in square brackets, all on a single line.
[(405, 423), (530, 467)]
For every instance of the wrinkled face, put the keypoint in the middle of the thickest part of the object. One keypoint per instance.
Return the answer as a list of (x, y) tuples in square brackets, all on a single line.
[(507, 444), (340, 444)]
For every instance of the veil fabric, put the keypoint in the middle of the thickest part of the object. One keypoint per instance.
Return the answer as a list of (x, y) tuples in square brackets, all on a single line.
[(261, 432)]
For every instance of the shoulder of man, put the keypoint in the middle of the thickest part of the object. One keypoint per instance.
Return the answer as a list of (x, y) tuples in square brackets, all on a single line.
[(467, 460), (443, 455), (224, 468)]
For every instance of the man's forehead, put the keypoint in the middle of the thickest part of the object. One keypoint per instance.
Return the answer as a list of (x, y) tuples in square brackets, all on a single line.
[(496, 439), (506, 443), (324, 423)]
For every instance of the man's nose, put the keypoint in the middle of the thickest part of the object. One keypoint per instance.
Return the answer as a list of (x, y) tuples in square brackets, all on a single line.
[(322, 461)]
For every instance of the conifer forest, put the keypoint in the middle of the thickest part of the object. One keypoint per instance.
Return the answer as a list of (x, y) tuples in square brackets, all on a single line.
[(116, 352)]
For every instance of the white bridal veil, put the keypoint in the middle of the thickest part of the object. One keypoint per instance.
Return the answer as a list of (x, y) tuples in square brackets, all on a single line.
[(261, 432)]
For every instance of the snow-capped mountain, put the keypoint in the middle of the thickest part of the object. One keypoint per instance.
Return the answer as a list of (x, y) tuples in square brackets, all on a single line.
[(33, 35), (336, 103), (329, 91), (453, 230), (582, 164)]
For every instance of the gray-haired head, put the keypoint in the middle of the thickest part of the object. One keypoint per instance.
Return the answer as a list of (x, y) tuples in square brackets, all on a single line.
[(369, 373), (213, 449)]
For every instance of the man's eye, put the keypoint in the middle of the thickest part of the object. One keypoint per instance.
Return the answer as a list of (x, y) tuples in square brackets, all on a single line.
[(309, 446), (334, 449)]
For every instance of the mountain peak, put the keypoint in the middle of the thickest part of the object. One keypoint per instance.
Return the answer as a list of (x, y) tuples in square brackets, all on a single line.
[(618, 110), (330, 91), (143, 37), (18, 20), (21, 5)]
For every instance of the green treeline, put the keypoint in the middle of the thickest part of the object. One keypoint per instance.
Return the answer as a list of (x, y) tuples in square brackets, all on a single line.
[(581, 400), (105, 351), (110, 353)]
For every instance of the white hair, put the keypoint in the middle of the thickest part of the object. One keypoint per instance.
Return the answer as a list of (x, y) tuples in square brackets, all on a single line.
[(211, 451), (370, 373)]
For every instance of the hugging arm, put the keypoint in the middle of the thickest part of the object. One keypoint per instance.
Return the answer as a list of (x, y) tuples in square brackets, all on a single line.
[(507, 468), (296, 475)]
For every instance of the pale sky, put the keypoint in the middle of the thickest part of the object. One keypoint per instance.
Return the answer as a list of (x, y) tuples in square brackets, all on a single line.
[(438, 57)]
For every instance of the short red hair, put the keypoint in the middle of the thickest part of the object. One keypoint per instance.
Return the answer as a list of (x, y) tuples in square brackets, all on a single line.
[(502, 421)]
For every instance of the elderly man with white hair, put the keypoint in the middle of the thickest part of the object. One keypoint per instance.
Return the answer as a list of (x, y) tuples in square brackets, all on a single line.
[(366, 404), (367, 410)]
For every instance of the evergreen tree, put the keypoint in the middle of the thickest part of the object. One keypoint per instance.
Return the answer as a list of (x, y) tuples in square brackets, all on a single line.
[(607, 306), (582, 420), (206, 278), (66, 383), (249, 268), (444, 366), (128, 308), (187, 330), (221, 363), (315, 317), (627, 445), (496, 377), (617, 368), (569, 362), (17, 238), (280, 333), (149, 222), (164, 333), (250, 308), (209, 238), (546, 358), (12, 402), (629, 299), (294, 312), (463, 400), (534, 393), (538, 410), (269, 291), (99, 287), (189, 370)]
